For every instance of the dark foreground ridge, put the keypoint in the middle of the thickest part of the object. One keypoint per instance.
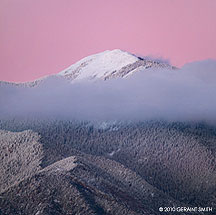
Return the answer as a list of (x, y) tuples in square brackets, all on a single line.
[(66, 167)]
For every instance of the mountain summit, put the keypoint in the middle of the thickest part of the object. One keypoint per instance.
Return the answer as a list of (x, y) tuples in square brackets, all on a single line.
[(104, 65), (108, 64)]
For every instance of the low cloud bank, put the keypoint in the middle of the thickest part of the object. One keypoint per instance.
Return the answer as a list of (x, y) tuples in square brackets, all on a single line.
[(185, 94)]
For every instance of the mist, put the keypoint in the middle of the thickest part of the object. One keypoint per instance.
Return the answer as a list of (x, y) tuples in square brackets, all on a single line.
[(159, 59), (186, 94)]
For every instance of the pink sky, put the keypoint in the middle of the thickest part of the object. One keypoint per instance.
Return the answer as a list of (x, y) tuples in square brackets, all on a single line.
[(42, 37)]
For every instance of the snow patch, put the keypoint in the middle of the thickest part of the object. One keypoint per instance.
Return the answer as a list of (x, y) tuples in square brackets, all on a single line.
[(113, 152)]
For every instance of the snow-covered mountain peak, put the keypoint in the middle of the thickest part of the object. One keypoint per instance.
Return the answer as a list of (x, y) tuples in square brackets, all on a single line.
[(99, 65), (108, 64), (105, 65)]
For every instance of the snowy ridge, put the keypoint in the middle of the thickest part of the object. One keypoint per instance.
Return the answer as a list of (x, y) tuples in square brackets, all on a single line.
[(109, 64), (105, 65), (99, 65)]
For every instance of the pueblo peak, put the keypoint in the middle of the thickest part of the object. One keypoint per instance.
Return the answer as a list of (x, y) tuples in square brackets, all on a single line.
[(102, 66), (108, 64)]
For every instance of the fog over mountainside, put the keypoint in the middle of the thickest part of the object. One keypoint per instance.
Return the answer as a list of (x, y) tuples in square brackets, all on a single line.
[(146, 92), (112, 134)]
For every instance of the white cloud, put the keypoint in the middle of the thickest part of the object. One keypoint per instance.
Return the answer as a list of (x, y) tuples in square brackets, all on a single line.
[(185, 94)]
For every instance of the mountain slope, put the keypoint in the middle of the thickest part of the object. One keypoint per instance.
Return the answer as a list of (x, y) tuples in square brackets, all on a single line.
[(132, 169), (20, 156), (125, 146), (77, 183)]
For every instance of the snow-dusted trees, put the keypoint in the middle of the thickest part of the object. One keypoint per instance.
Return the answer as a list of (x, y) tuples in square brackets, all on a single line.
[(178, 158)]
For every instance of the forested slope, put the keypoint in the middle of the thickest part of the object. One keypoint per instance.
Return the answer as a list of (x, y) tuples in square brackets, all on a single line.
[(70, 167)]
